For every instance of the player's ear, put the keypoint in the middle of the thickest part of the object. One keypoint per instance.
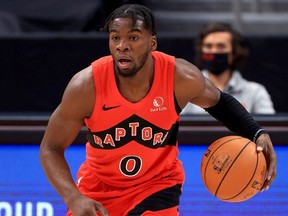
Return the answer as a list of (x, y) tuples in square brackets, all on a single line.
[(154, 43)]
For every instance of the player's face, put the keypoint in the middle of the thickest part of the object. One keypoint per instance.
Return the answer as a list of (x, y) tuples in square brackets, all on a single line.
[(218, 42), (130, 45)]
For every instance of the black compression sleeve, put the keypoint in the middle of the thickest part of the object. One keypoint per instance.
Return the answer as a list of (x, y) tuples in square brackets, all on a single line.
[(235, 117)]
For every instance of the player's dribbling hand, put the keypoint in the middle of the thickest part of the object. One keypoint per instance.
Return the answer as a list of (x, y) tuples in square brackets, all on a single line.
[(83, 206), (264, 144)]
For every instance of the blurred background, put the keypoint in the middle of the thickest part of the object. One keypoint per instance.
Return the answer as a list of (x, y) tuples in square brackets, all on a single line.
[(44, 43)]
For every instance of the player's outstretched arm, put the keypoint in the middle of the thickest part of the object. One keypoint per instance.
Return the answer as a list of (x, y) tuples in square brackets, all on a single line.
[(190, 83)]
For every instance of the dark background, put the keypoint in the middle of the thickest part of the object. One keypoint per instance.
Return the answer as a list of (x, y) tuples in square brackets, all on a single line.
[(44, 43), (35, 68)]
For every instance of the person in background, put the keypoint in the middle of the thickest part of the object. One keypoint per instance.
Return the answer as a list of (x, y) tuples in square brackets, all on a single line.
[(130, 102), (220, 52)]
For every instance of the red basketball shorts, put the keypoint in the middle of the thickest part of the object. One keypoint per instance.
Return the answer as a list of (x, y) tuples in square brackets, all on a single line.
[(157, 197)]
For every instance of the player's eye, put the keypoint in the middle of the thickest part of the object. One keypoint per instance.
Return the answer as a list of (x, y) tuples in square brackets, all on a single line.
[(114, 38), (134, 38)]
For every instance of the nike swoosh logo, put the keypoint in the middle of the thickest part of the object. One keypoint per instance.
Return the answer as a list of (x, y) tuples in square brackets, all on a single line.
[(105, 108)]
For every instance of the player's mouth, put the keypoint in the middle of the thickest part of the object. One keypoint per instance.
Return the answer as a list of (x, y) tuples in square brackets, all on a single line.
[(124, 63)]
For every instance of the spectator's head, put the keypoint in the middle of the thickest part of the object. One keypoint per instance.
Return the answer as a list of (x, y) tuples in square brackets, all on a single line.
[(220, 43)]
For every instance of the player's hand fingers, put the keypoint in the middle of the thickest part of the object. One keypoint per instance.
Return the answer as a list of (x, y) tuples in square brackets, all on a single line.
[(259, 148), (271, 171), (102, 213), (264, 144), (268, 182), (100, 210)]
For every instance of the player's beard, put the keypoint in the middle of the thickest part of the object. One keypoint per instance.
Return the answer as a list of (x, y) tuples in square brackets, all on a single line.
[(133, 71)]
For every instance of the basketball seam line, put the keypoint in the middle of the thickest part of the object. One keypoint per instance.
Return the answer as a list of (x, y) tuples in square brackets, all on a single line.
[(248, 181), (205, 182), (230, 168)]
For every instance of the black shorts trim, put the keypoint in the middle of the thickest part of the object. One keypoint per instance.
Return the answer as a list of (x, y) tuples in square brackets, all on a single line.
[(164, 199)]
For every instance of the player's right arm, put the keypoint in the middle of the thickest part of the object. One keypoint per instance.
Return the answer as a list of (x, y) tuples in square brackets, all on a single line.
[(63, 127)]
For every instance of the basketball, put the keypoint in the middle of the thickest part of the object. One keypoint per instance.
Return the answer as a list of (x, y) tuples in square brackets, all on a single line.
[(232, 170)]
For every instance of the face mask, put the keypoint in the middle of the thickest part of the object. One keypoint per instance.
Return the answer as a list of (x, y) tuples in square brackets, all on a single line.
[(215, 63)]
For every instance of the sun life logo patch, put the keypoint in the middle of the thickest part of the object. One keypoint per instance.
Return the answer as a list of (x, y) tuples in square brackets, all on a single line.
[(158, 105)]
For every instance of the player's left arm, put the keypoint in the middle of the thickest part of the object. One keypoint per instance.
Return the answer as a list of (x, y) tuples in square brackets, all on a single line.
[(191, 86), (236, 118), (190, 83)]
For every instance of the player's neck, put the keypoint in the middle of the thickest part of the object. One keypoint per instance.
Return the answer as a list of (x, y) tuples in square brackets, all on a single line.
[(137, 87)]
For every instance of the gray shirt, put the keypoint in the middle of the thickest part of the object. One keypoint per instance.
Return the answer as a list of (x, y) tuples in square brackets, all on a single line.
[(253, 96)]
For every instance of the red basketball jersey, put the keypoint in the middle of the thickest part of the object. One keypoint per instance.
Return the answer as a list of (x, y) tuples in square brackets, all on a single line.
[(130, 143)]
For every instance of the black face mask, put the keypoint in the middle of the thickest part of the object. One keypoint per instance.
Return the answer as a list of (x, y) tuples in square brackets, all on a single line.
[(215, 63)]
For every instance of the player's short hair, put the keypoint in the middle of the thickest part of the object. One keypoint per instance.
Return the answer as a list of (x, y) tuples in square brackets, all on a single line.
[(239, 46), (135, 12)]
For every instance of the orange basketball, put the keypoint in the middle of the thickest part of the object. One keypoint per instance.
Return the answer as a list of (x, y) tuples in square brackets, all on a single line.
[(232, 169)]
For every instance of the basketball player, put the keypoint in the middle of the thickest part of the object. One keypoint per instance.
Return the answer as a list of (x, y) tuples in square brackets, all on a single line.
[(130, 102)]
